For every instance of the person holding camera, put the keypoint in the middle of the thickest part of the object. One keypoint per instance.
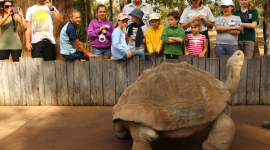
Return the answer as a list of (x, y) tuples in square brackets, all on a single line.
[(10, 40)]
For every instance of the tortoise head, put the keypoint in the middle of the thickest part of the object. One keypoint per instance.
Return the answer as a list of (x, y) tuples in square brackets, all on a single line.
[(234, 66)]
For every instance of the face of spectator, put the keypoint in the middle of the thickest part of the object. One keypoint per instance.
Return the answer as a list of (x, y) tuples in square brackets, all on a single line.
[(101, 13), (7, 6), (41, 1), (227, 10), (137, 1), (195, 29), (155, 23), (122, 23), (244, 3), (172, 22), (135, 19), (196, 3), (76, 18)]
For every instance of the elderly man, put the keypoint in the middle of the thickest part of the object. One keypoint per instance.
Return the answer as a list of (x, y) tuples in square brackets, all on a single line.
[(146, 8), (39, 21)]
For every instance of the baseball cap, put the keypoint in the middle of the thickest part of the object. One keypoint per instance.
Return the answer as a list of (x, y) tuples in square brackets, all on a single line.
[(122, 16), (154, 16), (226, 3)]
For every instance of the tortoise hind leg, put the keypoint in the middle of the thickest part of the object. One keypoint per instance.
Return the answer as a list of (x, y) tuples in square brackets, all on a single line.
[(142, 136), (221, 134)]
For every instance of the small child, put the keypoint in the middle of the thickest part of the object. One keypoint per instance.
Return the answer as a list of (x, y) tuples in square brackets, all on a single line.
[(173, 37), (69, 37), (153, 41), (120, 48), (100, 31), (195, 43), (136, 31), (227, 27)]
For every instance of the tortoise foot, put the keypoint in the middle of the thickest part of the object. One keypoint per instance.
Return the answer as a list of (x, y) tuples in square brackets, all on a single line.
[(266, 124)]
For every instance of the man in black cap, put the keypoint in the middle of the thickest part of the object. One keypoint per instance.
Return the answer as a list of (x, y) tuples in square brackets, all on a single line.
[(136, 31)]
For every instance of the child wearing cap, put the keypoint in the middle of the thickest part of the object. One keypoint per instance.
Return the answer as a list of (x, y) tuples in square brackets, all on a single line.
[(153, 42), (136, 31), (120, 49), (173, 37), (227, 27)]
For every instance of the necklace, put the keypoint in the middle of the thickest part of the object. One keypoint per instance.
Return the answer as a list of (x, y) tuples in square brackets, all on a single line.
[(246, 18)]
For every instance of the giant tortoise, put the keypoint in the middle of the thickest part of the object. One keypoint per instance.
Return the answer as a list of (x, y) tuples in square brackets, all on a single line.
[(177, 100)]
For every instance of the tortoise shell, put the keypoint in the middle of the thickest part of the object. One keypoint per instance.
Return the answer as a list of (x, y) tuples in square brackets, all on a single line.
[(172, 96)]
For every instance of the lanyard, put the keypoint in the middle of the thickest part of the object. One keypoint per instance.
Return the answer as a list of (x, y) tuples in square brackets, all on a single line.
[(246, 18)]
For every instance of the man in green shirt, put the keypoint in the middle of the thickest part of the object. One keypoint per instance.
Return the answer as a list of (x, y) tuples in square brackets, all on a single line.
[(250, 20)]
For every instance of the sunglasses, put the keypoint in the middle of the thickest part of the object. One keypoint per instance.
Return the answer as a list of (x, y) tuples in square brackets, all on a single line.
[(7, 6)]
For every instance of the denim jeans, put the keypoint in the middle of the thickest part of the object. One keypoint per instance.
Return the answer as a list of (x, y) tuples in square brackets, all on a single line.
[(135, 53), (225, 49)]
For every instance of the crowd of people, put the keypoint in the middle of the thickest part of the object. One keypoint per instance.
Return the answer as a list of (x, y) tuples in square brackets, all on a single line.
[(139, 31)]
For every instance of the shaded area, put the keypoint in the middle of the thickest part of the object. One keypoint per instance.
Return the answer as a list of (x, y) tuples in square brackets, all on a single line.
[(92, 128)]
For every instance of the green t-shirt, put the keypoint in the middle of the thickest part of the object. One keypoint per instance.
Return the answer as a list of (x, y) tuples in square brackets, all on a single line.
[(249, 34), (173, 48)]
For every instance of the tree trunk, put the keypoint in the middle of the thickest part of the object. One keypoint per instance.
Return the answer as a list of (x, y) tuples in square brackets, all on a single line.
[(237, 4), (114, 12), (266, 27), (182, 7), (128, 1), (122, 4), (86, 18), (91, 10)]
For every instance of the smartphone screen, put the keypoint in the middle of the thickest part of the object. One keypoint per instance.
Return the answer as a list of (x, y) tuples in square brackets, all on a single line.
[(15, 9)]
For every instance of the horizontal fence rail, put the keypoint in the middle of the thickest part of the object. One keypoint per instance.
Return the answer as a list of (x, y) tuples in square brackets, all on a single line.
[(98, 82)]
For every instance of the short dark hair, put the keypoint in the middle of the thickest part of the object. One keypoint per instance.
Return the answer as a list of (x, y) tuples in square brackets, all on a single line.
[(174, 14)]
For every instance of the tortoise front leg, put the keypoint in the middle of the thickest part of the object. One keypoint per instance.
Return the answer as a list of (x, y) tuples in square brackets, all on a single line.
[(221, 134), (142, 136)]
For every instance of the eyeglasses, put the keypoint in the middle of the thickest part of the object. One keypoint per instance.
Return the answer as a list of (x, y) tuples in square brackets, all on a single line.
[(7, 6)]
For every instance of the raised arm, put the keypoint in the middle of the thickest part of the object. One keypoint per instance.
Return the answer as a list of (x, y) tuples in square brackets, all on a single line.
[(54, 11), (3, 20), (20, 19)]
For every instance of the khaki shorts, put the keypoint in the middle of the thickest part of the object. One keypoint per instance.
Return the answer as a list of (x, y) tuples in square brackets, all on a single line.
[(247, 47)]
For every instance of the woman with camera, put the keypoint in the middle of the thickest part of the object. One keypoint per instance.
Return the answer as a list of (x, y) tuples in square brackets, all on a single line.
[(10, 40)]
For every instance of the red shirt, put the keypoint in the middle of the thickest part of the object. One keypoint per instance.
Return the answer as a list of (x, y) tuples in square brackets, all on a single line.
[(195, 45)]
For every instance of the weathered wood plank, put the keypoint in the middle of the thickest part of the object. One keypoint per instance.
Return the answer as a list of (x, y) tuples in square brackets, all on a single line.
[(183, 58), (212, 66), (84, 69), (70, 81), (145, 65), (121, 78), (61, 82), (240, 95), (96, 69), (49, 84), (133, 69), (158, 61), (223, 70), (265, 81), (199, 62), (37, 80), (4, 83), (26, 81), (14, 83), (174, 61), (76, 85), (109, 82), (253, 81)]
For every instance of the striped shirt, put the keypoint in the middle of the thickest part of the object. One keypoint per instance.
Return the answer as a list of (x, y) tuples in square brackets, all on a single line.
[(195, 45)]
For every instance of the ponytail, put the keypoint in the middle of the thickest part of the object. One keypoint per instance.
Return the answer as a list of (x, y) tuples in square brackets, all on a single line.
[(71, 12)]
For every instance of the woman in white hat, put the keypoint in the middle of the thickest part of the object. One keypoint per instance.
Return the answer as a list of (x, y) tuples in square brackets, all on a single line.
[(228, 28)]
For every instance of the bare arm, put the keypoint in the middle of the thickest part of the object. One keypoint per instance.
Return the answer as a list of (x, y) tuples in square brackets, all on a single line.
[(81, 47), (209, 24), (185, 48), (144, 40), (21, 21), (222, 29), (57, 16), (28, 36), (3, 20), (252, 25), (234, 32)]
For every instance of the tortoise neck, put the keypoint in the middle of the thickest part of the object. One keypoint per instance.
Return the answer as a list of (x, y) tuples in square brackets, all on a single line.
[(233, 78)]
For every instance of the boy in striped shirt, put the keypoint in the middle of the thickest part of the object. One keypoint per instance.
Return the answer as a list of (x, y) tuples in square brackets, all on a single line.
[(195, 43)]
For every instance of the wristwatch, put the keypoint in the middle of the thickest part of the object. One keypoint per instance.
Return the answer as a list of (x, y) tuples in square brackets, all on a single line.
[(52, 9)]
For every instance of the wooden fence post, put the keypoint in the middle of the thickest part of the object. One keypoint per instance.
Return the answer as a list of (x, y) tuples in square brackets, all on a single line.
[(265, 80), (14, 83), (61, 82), (199, 62), (133, 69), (158, 61), (187, 59), (4, 83), (174, 61), (26, 81), (96, 65), (253, 81), (109, 83), (49, 84), (121, 78), (84, 81), (212, 66)]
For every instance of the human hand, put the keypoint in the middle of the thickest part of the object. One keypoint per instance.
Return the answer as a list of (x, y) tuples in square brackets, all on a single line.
[(187, 53), (104, 31), (92, 55), (201, 55), (129, 55), (201, 17), (101, 28), (49, 4), (10, 12), (195, 18), (20, 12), (238, 28), (29, 46), (133, 37)]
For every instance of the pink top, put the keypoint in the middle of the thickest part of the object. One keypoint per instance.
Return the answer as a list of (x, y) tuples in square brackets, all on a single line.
[(195, 45)]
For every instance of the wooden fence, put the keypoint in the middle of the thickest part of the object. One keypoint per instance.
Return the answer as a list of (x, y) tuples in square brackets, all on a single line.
[(99, 82)]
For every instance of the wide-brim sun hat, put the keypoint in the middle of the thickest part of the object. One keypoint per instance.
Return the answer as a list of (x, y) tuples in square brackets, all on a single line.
[(226, 3), (122, 16), (137, 13), (154, 16)]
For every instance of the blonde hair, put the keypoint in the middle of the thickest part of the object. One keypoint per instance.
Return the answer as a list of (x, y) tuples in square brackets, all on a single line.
[(196, 23), (71, 12), (251, 6)]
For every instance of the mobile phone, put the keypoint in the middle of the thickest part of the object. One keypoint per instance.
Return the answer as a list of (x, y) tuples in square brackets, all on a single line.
[(15, 9)]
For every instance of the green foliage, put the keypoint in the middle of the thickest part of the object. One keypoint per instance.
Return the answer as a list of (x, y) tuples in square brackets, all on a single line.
[(82, 34)]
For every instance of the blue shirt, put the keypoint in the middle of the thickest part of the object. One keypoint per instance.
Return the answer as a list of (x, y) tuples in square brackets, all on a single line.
[(119, 44), (67, 36)]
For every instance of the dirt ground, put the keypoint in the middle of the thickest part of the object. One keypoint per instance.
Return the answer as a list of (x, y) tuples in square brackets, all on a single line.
[(91, 128), (259, 36)]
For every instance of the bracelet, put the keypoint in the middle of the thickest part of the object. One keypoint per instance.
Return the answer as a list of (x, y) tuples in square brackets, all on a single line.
[(52, 9)]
